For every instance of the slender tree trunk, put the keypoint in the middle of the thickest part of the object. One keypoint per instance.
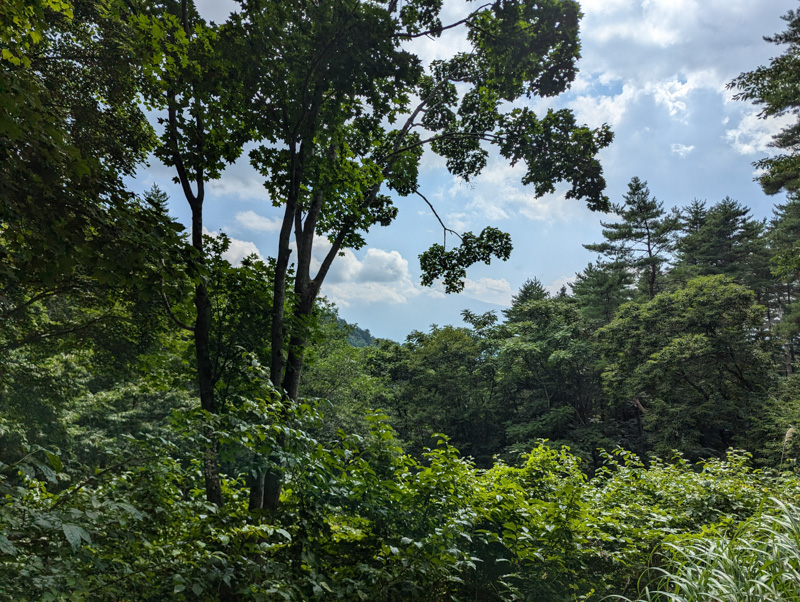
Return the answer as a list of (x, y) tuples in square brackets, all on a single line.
[(256, 483), (652, 282), (205, 371)]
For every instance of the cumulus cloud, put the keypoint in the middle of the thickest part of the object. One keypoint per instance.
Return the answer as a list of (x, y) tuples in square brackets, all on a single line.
[(555, 286), (250, 220), (595, 109), (378, 277), (672, 94), (236, 181), (489, 290), (497, 195), (458, 221), (753, 135), (238, 249), (644, 42)]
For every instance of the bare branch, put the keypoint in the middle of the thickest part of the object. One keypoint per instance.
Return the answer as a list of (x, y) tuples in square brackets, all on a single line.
[(441, 223)]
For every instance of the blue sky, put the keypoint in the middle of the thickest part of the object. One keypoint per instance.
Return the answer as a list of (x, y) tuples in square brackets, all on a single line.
[(654, 70)]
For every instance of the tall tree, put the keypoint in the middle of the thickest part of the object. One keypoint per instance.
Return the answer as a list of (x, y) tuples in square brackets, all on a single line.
[(774, 88), (345, 110), (694, 362), (726, 240), (78, 251), (531, 290), (783, 238), (600, 289), (70, 131), (643, 239), (547, 375), (191, 70)]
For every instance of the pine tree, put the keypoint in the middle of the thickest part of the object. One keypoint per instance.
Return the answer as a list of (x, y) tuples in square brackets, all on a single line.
[(724, 240), (642, 241), (782, 238), (531, 290), (599, 291)]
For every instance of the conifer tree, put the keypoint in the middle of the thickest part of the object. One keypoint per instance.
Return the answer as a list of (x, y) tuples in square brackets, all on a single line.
[(724, 240), (599, 291), (642, 241), (782, 238)]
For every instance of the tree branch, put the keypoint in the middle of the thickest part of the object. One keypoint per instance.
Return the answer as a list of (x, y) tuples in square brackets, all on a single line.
[(445, 28), (441, 223), (175, 319)]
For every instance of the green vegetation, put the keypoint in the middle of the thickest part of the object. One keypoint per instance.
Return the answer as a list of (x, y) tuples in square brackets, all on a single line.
[(173, 426)]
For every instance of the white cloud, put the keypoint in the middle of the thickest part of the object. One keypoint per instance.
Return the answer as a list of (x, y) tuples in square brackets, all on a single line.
[(672, 94), (497, 194), (595, 110), (240, 180), (238, 249), (250, 220), (245, 187), (753, 135), (379, 277), (681, 149), (489, 290), (555, 286), (459, 222)]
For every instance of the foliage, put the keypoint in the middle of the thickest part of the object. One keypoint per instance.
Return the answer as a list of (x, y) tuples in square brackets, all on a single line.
[(724, 239), (757, 560), (360, 520), (774, 88), (694, 362), (642, 240)]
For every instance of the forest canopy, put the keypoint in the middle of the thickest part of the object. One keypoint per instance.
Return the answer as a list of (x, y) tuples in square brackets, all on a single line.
[(177, 426)]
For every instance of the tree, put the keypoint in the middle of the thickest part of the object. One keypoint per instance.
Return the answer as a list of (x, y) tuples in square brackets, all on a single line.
[(191, 73), (643, 239), (78, 251), (547, 376), (442, 382), (694, 362), (343, 111), (336, 138), (600, 289), (70, 131), (774, 88), (783, 236), (724, 240), (531, 290)]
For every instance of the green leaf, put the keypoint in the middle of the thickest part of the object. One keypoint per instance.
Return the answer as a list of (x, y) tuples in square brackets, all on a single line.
[(55, 461), (74, 535), (6, 547)]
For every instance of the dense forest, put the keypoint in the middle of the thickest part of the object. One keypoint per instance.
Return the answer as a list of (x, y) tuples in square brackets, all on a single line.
[(177, 427)]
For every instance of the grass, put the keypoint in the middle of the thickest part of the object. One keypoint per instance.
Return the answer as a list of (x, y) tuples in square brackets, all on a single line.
[(758, 562)]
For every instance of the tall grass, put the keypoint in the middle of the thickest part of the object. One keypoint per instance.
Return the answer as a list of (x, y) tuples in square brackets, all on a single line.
[(759, 562)]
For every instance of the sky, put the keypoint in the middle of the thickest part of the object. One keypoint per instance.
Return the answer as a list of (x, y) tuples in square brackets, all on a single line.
[(654, 70)]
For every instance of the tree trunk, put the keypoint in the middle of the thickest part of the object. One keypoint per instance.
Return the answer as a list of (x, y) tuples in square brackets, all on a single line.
[(651, 284), (256, 484), (205, 370)]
